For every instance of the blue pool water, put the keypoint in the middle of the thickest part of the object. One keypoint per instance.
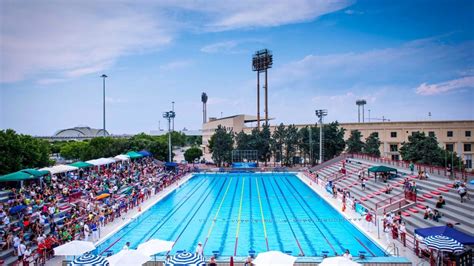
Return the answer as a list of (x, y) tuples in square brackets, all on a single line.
[(235, 213)]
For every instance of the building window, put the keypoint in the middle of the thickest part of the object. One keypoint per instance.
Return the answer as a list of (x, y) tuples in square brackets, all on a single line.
[(449, 147), (431, 134), (468, 163), (467, 147), (393, 147), (395, 157), (449, 134), (468, 133), (393, 134), (376, 134)]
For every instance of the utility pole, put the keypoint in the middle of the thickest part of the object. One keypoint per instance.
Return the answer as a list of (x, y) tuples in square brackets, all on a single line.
[(320, 114), (103, 87), (169, 115)]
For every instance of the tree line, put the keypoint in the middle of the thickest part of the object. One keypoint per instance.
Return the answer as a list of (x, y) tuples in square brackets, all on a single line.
[(286, 144), (18, 151), (290, 145)]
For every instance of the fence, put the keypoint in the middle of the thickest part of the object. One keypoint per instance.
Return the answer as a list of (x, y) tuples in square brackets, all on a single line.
[(418, 167)]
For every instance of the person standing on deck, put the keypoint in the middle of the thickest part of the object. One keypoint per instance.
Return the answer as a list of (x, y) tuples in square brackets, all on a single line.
[(199, 249)]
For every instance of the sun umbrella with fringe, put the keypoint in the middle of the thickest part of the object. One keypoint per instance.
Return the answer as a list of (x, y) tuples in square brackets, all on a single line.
[(186, 258), (274, 258), (74, 248), (443, 243), (89, 260), (153, 246)]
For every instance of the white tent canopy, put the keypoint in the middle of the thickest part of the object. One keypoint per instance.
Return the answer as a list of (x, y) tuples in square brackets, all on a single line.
[(61, 168), (122, 157), (101, 161)]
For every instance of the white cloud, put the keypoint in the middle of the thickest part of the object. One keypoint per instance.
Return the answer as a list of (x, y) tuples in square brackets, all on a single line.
[(49, 81), (353, 12), (73, 38), (447, 86), (226, 47), (178, 64)]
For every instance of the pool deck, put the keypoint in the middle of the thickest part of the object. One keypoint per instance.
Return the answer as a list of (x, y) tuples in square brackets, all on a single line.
[(355, 218)]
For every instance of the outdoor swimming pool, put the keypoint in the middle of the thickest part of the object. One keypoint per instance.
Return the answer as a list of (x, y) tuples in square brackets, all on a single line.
[(235, 213)]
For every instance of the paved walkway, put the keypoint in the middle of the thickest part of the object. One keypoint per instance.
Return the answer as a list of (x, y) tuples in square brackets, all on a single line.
[(117, 224)]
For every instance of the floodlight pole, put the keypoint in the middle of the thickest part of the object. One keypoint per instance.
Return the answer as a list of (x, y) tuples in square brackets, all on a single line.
[(103, 89), (172, 109), (169, 115), (258, 100), (320, 114)]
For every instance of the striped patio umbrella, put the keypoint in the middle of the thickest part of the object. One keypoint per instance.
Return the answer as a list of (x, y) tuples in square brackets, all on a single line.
[(89, 260), (186, 258), (443, 243)]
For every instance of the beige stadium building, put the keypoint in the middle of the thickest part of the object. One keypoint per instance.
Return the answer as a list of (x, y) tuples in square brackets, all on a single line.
[(454, 135)]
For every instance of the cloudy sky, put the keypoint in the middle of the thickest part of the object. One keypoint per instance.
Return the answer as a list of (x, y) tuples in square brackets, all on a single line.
[(406, 58)]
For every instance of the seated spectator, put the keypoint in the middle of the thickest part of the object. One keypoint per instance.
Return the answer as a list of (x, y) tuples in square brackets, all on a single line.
[(436, 215), (441, 202)]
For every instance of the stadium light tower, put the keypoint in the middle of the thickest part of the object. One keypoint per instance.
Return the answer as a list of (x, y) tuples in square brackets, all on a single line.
[(169, 115), (320, 114), (204, 107), (360, 103), (261, 61), (103, 88)]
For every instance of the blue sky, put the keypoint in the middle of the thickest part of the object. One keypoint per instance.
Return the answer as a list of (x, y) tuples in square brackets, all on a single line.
[(406, 58)]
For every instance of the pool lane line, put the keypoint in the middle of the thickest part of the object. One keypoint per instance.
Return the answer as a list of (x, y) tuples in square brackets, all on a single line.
[(360, 242), (317, 227), (238, 218), (213, 183), (277, 232), (188, 195), (287, 220), (194, 214), (261, 213), (217, 213)]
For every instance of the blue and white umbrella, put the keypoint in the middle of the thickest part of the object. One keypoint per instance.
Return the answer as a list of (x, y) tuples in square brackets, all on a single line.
[(186, 258), (443, 243), (89, 260)]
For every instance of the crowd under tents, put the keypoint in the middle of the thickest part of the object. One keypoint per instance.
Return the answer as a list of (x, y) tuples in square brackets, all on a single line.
[(34, 174), (381, 169)]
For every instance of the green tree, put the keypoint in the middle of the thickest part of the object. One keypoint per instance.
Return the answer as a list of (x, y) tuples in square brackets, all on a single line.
[(264, 144), (74, 150), (354, 142), (308, 143), (424, 149), (372, 145), (221, 145), (277, 142), (291, 144), (192, 153), (333, 140), (19, 151), (243, 141)]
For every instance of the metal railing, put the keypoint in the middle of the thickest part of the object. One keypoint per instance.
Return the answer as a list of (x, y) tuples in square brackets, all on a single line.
[(418, 167)]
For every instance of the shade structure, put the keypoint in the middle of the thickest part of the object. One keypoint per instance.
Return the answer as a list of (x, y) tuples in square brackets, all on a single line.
[(74, 248), (186, 258), (145, 153), (448, 231), (129, 257), (443, 243), (274, 258), (382, 169), (102, 196), (338, 261), (34, 172), (17, 209), (89, 260), (17, 176), (101, 161), (61, 168), (153, 246), (134, 155), (81, 164), (122, 157)]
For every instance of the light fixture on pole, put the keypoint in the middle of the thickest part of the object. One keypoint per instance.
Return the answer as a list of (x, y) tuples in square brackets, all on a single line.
[(320, 114), (261, 61), (169, 115), (172, 109), (103, 87)]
